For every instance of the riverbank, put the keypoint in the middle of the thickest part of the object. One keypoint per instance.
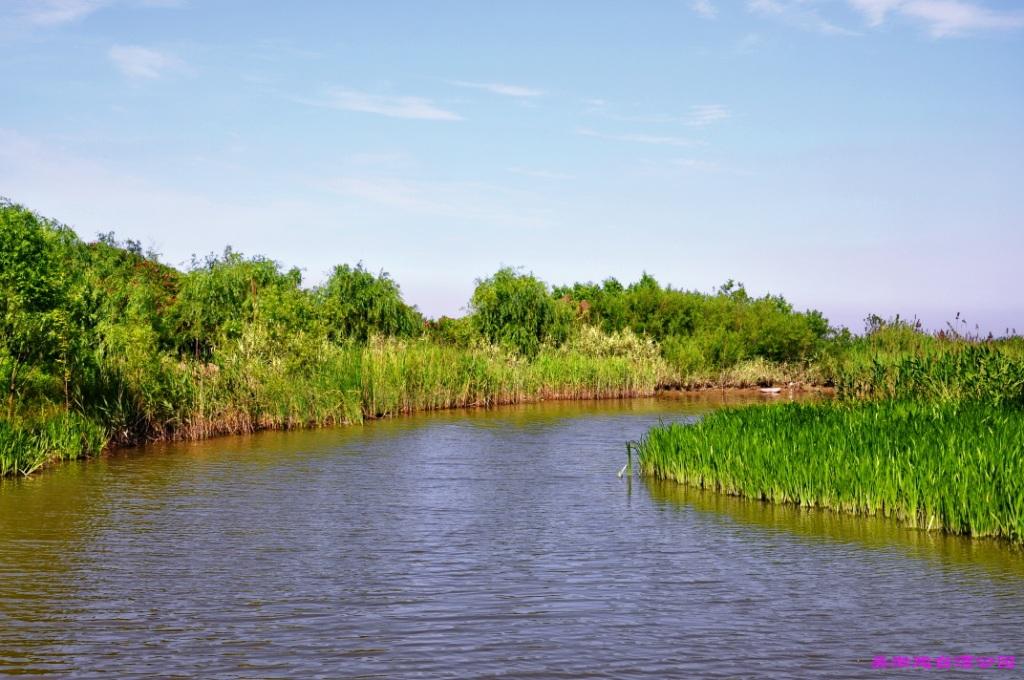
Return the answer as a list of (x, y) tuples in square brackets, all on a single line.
[(70, 436), (385, 377)]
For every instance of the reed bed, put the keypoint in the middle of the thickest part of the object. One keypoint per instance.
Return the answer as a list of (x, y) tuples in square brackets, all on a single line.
[(329, 385), (957, 467), (757, 372), (943, 372), (415, 375), (26, 446)]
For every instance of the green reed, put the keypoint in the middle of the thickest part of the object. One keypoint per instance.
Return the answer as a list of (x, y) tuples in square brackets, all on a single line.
[(952, 466), (25, 446), (399, 376), (249, 389)]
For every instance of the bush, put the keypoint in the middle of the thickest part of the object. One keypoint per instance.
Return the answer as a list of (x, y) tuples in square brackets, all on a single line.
[(516, 311)]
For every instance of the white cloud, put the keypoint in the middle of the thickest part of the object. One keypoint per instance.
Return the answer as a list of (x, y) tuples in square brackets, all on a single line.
[(384, 105), (875, 10), (697, 164), (51, 12), (500, 88), (704, 8), (639, 138), (56, 12), (540, 173), (799, 13), (941, 17), (463, 200), (766, 6), (142, 62), (706, 114), (699, 115)]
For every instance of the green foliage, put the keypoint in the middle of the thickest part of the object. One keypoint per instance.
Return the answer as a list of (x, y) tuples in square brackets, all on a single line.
[(25, 446), (459, 332), (223, 295), (700, 333), (958, 467), (399, 376), (939, 443), (357, 304), (517, 312), (895, 359), (40, 305), (104, 333)]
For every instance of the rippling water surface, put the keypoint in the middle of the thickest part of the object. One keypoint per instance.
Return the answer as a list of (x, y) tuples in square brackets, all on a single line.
[(467, 544)]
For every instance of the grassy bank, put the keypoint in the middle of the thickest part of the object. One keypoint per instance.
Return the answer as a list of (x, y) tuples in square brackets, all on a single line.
[(338, 385), (957, 467), (26, 445), (926, 429)]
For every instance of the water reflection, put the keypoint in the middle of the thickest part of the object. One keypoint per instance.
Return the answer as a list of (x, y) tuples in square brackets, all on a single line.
[(995, 557)]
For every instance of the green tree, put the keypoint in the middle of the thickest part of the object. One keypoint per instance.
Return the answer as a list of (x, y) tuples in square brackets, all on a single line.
[(35, 326), (223, 295), (356, 304), (516, 311)]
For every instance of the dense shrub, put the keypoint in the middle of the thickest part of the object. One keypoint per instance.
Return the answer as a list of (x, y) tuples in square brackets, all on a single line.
[(516, 311)]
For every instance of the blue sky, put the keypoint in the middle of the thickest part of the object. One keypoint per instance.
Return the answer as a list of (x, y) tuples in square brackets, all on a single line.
[(856, 156)]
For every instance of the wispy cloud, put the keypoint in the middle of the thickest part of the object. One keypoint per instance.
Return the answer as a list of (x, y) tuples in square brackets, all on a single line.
[(875, 10), (704, 8), (384, 105), (706, 114), (142, 62), (699, 115), (463, 200), (766, 6), (51, 12), (503, 89), (697, 164), (798, 13), (638, 138), (56, 12), (540, 173), (942, 18)]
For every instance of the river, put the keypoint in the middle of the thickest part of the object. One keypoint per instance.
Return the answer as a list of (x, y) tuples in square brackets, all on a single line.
[(494, 543)]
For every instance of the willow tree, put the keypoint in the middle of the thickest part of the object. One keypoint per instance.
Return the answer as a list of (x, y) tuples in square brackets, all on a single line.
[(518, 312), (35, 320), (355, 304)]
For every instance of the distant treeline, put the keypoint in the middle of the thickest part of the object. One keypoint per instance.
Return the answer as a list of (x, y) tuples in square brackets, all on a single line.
[(100, 342)]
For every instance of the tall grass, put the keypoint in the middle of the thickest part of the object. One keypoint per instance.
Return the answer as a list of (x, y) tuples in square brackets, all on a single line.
[(939, 371), (896, 360), (399, 376), (25, 446), (952, 466), (756, 372), (249, 387)]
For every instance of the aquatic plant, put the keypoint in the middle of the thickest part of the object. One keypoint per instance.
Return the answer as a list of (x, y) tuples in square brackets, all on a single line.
[(25, 446), (952, 466)]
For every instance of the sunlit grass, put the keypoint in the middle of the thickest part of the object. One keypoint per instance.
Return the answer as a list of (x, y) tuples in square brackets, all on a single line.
[(957, 467), (321, 385), (25, 446)]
